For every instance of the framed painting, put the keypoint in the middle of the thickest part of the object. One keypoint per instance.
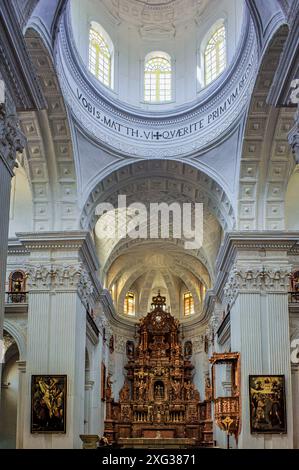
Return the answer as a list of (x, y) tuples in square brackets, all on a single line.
[(48, 403), (267, 404)]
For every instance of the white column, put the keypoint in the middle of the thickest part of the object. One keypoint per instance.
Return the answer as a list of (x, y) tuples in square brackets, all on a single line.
[(260, 332), (21, 402), (56, 333), (11, 142)]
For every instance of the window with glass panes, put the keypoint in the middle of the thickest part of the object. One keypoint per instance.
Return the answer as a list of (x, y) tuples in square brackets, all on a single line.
[(157, 79), (99, 57), (129, 307), (188, 304), (215, 55)]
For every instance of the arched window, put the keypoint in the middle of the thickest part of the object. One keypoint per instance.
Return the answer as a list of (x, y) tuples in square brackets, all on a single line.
[(215, 55), (100, 57), (129, 307), (157, 77), (188, 304)]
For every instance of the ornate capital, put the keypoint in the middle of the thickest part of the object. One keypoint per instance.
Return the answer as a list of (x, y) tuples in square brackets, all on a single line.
[(12, 140), (256, 280), (60, 277)]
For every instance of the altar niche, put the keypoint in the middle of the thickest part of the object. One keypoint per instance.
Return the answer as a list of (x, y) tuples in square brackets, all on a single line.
[(158, 399)]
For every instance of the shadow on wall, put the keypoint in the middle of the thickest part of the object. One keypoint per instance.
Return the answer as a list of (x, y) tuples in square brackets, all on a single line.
[(291, 202), (9, 399)]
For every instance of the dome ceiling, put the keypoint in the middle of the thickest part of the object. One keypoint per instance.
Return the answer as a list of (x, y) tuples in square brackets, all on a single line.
[(156, 15)]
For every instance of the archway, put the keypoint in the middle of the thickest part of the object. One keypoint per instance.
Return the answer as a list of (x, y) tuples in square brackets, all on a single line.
[(9, 395)]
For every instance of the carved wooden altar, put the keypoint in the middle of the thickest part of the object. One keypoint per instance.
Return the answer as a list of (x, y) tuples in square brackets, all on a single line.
[(158, 398)]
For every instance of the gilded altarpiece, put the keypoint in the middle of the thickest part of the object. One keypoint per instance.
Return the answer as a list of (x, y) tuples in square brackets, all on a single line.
[(158, 398)]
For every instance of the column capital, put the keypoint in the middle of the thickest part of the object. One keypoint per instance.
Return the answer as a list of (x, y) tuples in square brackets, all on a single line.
[(270, 279), (12, 140), (59, 277)]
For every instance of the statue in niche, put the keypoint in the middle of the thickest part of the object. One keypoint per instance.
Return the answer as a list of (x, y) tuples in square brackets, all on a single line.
[(111, 344), (188, 349), (208, 388), (189, 391), (159, 390), (176, 388), (130, 348), (141, 389), (109, 388), (124, 394)]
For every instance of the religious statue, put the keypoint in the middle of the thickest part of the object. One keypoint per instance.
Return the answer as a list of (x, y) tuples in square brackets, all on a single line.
[(141, 389), (130, 349), (189, 390), (150, 413), (208, 388), (124, 394), (108, 388), (111, 344), (176, 388), (159, 391), (188, 349)]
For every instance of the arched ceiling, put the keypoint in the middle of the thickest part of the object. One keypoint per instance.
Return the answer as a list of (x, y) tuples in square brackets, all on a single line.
[(138, 263), (159, 181), (156, 14), (148, 267), (266, 162)]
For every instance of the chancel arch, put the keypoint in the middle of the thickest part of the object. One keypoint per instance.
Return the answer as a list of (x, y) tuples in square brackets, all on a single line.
[(9, 393)]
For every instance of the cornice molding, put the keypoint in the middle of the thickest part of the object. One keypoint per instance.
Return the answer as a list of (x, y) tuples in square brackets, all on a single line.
[(255, 242), (78, 241), (253, 281)]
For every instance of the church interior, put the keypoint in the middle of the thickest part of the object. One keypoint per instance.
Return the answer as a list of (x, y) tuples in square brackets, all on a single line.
[(149, 236)]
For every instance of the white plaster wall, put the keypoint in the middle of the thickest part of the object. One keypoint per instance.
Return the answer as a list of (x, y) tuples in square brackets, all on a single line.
[(260, 332), (130, 49), (21, 207), (8, 409), (291, 202)]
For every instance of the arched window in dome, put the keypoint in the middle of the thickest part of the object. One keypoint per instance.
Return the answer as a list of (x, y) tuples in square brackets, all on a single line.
[(215, 54), (157, 77), (129, 306), (188, 304), (100, 55)]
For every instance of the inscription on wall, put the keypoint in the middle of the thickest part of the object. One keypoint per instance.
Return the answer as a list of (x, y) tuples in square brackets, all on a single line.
[(161, 134)]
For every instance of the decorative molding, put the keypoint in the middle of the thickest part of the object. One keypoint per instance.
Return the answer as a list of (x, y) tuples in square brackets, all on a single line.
[(60, 277), (256, 280), (12, 140)]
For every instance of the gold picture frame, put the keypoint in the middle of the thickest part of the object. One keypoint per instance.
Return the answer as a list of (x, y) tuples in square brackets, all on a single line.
[(48, 404), (267, 404)]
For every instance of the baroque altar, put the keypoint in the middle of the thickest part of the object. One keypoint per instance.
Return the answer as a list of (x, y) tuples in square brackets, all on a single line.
[(158, 399)]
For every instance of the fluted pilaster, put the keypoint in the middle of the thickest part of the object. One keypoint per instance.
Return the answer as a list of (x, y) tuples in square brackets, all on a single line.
[(260, 332)]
